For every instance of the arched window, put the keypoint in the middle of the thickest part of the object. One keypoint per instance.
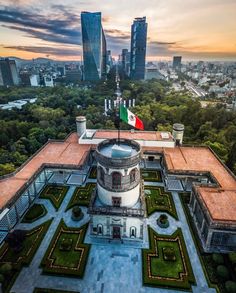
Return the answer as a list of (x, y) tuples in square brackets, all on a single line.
[(132, 175), (133, 232), (116, 180), (100, 229), (101, 174)]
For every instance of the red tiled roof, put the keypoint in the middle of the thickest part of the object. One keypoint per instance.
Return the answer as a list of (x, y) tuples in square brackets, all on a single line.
[(68, 152)]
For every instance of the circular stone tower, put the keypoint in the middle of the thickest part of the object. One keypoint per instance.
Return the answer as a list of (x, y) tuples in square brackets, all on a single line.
[(118, 172)]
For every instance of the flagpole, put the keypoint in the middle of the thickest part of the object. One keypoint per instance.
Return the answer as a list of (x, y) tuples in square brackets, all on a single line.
[(119, 126)]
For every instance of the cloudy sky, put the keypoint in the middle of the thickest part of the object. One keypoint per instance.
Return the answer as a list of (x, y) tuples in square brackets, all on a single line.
[(195, 29)]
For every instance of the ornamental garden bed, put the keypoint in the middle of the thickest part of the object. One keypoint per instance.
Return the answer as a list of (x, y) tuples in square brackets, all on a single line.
[(219, 269), (158, 200), (166, 263), (41, 290), (54, 193), (36, 212), (67, 254), (29, 241), (81, 196), (151, 175), (93, 173)]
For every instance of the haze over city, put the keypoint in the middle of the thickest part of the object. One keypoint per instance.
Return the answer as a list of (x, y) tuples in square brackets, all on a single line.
[(193, 29)]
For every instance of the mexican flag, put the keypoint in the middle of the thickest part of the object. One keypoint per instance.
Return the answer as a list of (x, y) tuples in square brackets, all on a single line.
[(130, 118)]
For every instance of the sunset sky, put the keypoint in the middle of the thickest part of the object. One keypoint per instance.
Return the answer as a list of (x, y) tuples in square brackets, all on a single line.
[(195, 29)]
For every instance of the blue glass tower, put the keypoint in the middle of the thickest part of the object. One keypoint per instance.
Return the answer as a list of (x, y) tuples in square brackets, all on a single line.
[(138, 48), (94, 46)]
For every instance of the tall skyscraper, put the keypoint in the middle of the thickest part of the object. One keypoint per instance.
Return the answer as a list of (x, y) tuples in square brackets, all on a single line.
[(94, 46), (8, 72), (138, 48), (177, 62), (125, 61)]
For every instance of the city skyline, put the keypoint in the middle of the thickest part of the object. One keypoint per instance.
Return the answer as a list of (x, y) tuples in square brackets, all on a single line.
[(194, 29)]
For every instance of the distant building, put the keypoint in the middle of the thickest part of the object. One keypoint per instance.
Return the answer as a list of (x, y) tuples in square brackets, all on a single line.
[(94, 46), (48, 81), (138, 48), (177, 62), (73, 76), (8, 72), (109, 60), (61, 70), (34, 80), (125, 61), (152, 71)]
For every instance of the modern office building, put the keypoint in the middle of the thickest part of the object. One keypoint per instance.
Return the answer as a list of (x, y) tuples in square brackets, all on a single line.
[(8, 72), (94, 46), (125, 61), (177, 62), (138, 48)]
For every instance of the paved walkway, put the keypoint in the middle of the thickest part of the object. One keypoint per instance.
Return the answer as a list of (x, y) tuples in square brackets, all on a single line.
[(111, 268)]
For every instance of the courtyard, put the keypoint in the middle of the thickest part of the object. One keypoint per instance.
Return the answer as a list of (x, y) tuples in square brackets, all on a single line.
[(61, 257)]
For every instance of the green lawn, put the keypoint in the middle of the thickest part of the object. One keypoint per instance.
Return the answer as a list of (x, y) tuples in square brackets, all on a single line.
[(54, 193), (81, 196), (158, 200), (93, 173), (151, 175), (36, 212), (22, 258), (70, 260), (166, 263)]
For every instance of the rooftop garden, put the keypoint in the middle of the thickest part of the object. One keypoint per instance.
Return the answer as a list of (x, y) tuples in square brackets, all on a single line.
[(166, 263), (17, 251), (67, 253), (159, 200), (36, 212), (81, 196), (54, 193), (151, 175)]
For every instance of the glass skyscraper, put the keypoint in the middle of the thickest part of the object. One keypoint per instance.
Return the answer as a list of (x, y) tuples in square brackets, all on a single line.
[(138, 48), (94, 46)]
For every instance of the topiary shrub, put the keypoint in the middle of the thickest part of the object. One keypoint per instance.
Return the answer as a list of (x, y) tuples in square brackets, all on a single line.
[(169, 253), (66, 244), (218, 258), (15, 239), (77, 213), (230, 286), (163, 221), (6, 268), (222, 272), (1, 278)]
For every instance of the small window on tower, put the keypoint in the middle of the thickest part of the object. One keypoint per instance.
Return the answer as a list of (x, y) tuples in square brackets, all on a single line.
[(132, 175)]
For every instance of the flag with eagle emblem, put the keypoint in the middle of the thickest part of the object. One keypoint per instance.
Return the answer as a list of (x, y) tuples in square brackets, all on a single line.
[(130, 118)]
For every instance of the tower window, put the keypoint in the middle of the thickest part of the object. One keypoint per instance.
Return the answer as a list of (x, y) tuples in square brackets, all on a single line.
[(132, 175), (116, 180)]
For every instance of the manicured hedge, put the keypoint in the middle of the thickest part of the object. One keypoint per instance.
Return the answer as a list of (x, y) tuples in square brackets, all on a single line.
[(81, 196), (151, 175), (36, 212), (24, 257), (159, 200), (70, 262), (55, 193), (168, 272)]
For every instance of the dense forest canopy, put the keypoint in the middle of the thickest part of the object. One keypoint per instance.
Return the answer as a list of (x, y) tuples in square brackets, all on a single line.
[(53, 117)]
